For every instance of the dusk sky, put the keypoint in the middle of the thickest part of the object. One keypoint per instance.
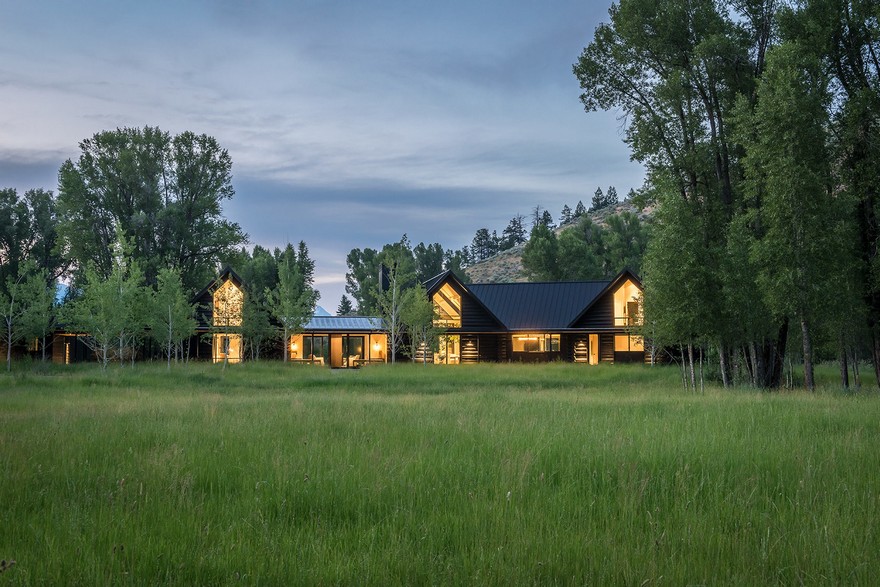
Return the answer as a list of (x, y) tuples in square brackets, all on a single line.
[(348, 124)]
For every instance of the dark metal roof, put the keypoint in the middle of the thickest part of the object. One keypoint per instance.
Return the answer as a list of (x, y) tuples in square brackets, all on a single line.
[(344, 324), (538, 306)]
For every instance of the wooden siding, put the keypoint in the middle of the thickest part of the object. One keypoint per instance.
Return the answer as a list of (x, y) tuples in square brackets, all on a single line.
[(489, 346), (606, 348), (470, 348), (474, 318), (600, 316)]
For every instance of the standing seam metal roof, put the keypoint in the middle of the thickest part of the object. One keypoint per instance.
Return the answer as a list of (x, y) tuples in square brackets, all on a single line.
[(347, 323), (537, 306)]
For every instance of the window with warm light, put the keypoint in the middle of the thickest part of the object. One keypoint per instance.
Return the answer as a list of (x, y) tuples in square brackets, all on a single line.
[(228, 302), (535, 343), (626, 343), (447, 304), (627, 305)]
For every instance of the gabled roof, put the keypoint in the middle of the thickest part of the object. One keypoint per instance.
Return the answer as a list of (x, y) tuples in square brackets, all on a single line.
[(537, 306), (618, 279), (225, 273), (344, 324)]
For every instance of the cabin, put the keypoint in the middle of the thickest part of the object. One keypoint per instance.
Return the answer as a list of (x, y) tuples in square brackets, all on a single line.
[(220, 305), (588, 322), (341, 342)]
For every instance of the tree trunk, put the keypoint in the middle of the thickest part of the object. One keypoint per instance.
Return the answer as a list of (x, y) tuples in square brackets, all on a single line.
[(844, 367), (702, 388), (809, 383), (722, 365), (684, 380), (691, 363), (857, 376)]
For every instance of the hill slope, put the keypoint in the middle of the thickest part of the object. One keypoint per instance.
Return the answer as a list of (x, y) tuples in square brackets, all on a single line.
[(506, 266)]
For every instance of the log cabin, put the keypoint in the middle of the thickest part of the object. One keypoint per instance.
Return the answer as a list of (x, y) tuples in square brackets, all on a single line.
[(588, 322)]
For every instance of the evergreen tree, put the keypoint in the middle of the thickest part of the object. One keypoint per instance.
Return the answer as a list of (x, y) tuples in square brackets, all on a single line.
[(540, 254), (580, 209), (566, 216), (547, 220), (345, 308), (514, 234)]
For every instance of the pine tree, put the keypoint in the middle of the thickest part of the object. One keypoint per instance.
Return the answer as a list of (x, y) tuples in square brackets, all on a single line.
[(565, 217), (580, 209), (345, 308)]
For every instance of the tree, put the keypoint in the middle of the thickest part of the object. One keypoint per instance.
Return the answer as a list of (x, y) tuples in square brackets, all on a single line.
[(345, 308), (604, 200), (362, 278), (110, 311), (399, 276), (257, 330), (674, 68), (547, 219), (172, 317), (292, 302), (28, 232), (417, 315), (514, 234), (429, 260), (580, 209), (164, 192), (626, 242), (565, 216), (17, 305), (540, 254), (788, 168), (456, 261), (42, 316), (484, 245), (581, 252)]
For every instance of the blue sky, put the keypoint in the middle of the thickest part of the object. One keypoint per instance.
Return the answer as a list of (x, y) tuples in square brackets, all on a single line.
[(348, 123)]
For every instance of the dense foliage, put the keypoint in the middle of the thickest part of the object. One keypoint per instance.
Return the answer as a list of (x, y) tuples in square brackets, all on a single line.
[(759, 125)]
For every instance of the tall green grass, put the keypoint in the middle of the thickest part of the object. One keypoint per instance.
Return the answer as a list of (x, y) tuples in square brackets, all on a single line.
[(491, 474)]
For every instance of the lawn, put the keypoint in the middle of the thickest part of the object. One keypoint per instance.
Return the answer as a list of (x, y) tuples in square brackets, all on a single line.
[(490, 474)]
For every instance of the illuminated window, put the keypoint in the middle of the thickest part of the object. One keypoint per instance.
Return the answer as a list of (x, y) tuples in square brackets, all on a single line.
[(228, 301), (627, 306), (449, 350), (535, 343), (226, 347), (447, 304), (626, 343)]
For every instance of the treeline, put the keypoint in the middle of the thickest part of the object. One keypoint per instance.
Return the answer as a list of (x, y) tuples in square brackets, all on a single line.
[(137, 228), (759, 125), (487, 244)]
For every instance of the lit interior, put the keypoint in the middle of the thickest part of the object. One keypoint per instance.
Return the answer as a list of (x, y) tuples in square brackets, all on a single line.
[(449, 350), (228, 300), (625, 343), (448, 305), (227, 347), (627, 308), (338, 350), (535, 343)]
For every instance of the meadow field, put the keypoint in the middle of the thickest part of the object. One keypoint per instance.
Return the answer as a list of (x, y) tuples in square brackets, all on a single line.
[(410, 475)]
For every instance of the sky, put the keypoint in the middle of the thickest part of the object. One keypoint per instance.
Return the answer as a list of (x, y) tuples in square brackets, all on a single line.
[(349, 124)]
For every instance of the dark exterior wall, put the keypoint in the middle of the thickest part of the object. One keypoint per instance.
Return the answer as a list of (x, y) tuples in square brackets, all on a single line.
[(600, 316), (474, 318), (606, 348), (489, 347), (629, 357)]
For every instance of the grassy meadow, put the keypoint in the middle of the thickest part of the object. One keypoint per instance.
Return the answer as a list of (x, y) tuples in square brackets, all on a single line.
[(489, 474)]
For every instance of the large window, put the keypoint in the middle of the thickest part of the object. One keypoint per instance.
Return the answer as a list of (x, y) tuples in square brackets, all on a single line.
[(447, 303), (228, 301), (627, 307), (535, 343), (626, 343), (449, 350)]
